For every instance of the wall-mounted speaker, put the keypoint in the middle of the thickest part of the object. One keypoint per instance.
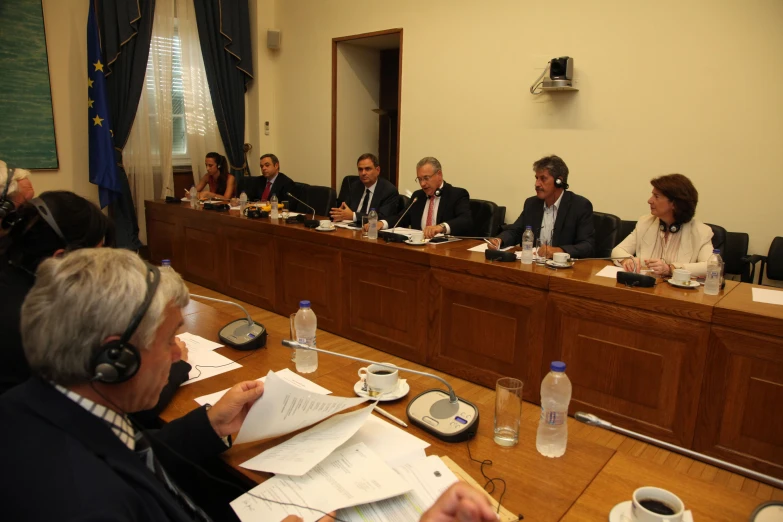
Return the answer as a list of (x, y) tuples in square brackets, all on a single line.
[(273, 39)]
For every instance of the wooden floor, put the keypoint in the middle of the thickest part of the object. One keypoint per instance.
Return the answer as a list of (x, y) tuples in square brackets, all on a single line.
[(614, 441)]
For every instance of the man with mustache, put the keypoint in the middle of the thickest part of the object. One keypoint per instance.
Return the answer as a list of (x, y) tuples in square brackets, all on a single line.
[(562, 218)]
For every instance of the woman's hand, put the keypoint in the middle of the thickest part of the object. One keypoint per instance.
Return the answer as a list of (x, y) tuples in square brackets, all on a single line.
[(658, 267), (630, 265)]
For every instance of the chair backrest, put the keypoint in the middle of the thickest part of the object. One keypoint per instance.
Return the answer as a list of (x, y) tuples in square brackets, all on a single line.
[(734, 249), (347, 180), (775, 259), (484, 215), (607, 228), (626, 227), (301, 192), (404, 202), (250, 185), (322, 199), (718, 237)]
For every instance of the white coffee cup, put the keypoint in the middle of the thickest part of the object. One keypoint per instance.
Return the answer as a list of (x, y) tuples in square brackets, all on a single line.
[(325, 223), (650, 497), (380, 379), (681, 275), (417, 237), (561, 257)]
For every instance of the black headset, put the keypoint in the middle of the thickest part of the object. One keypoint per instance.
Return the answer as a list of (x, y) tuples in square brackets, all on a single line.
[(117, 361), (6, 206), (673, 228), (559, 183), (46, 214), (437, 193)]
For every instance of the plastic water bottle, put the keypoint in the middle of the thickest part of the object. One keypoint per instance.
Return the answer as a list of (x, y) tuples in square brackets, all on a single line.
[(165, 263), (527, 246), (552, 436), (305, 324), (714, 273), (193, 197), (273, 202), (372, 220), (242, 202)]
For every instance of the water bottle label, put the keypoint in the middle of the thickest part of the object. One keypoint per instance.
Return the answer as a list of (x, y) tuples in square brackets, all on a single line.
[(308, 342), (553, 418)]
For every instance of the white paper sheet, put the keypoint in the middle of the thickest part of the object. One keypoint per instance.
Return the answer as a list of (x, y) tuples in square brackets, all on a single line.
[(483, 247), (428, 477), (301, 453), (285, 374), (195, 342), (610, 271), (284, 408), (206, 364), (347, 225), (348, 477), (764, 295), (393, 444)]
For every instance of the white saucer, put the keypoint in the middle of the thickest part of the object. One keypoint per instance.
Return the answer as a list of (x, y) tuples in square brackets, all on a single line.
[(321, 229), (689, 284), (402, 390), (552, 264), (621, 512), (409, 242)]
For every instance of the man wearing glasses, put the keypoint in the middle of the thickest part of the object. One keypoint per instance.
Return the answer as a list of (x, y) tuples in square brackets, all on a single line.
[(440, 208)]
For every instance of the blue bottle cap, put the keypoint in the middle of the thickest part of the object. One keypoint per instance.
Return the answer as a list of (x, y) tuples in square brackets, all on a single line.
[(372, 209), (557, 366), (304, 304), (716, 251), (529, 227), (165, 262)]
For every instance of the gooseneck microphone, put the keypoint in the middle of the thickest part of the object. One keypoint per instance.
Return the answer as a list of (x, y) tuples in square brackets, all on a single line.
[(442, 414), (241, 334), (594, 420), (389, 235), (309, 223)]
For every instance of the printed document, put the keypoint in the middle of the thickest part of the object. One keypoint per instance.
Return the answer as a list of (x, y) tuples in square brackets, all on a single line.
[(285, 374)]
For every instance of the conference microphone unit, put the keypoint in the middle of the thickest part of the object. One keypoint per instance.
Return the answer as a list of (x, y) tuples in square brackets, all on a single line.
[(594, 420), (627, 278), (389, 235), (241, 334), (437, 412), (308, 223), (499, 255)]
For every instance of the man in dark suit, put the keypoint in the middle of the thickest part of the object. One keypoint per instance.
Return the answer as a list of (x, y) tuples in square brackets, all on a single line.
[(277, 183), (368, 192), (562, 218), (439, 208)]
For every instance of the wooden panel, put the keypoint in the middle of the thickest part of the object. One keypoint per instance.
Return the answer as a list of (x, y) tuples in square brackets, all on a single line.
[(312, 272), (162, 238), (738, 310), (202, 256), (250, 267), (483, 330), (386, 304), (640, 370), (739, 416)]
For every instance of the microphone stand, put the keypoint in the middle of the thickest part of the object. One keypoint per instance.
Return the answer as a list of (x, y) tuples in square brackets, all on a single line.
[(241, 334), (311, 223), (392, 237)]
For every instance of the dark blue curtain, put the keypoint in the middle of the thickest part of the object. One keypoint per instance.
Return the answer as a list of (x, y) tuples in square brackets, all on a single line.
[(125, 29), (224, 33)]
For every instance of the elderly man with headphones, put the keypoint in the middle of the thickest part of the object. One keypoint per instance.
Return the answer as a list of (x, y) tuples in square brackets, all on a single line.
[(562, 218)]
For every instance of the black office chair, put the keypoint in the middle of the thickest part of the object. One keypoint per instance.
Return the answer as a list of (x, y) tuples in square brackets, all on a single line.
[(347, 180), (484, 214), (607, 228), (735, 248), (322, 199), (626, 227), (500, 219), (253, 186), (773, 262), (404, 202), (718, 237), (300, 191)]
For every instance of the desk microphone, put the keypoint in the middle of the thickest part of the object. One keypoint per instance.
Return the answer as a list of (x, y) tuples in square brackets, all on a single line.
[(309, 223), (442, 414), (389, 235), (626, 278), (594, 420), (241, 334)]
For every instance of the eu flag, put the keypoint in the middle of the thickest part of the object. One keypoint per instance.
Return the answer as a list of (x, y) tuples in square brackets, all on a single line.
[(103, 165)]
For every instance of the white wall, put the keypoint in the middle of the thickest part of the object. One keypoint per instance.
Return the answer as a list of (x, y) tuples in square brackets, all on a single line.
[(666, 87), (358, 93)]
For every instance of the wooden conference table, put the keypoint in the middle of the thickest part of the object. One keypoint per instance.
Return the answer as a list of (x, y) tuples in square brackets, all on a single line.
[(599, 469), (653, 360)]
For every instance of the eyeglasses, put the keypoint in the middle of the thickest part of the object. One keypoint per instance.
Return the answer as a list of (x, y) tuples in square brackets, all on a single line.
[(423, 179)]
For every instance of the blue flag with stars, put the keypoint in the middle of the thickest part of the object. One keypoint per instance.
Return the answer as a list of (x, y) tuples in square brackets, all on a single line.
[(103, 165)]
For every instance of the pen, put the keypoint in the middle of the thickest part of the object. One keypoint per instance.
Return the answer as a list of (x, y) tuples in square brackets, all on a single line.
[(390, 416)]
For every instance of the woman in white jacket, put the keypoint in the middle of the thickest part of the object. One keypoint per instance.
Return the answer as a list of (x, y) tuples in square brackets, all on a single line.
[(668, 237)]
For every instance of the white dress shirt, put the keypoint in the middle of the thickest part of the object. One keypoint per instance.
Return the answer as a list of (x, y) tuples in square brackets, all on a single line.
[(435, 201), (548, 222), (361, 201)]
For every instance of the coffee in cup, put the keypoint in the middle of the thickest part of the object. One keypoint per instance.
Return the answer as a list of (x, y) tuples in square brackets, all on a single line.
[(561, 258), (417, 237), (651, 504), (380, 379), (681, 275)]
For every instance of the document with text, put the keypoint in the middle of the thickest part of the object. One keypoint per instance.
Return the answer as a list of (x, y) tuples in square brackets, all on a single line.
[(284, 408), (348, 477), (285, 374)]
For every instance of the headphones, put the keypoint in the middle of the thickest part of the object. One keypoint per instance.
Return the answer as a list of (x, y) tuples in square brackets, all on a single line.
[(673, 228), (559, 183), (117, 361), (6, 205), (437, 193), (46, 214)]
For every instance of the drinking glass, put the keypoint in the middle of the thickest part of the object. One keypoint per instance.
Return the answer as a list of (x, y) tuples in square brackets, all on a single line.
[(541, 245), (365, 222), (292, 335), (508, 411)]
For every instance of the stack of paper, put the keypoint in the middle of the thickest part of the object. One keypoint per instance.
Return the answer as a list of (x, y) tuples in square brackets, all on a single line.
[(285, 374), (204, 361)]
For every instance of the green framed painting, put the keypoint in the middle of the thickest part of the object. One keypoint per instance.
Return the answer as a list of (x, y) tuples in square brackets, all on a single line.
[(27, 138)]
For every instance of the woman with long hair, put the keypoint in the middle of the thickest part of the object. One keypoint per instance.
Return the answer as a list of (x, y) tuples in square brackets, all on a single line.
[(221, 183)]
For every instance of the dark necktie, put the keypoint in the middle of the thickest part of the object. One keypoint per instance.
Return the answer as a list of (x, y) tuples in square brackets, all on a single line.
[(147, 456), (429, 211), (267, 190), (367, 197)]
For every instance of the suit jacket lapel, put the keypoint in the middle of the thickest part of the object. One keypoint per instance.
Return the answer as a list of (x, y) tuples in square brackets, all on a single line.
[(443, 204), (536, 217)]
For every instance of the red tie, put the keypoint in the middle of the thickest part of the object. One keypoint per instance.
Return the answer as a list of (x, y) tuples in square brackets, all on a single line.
[(429, 212), (265, 195)]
